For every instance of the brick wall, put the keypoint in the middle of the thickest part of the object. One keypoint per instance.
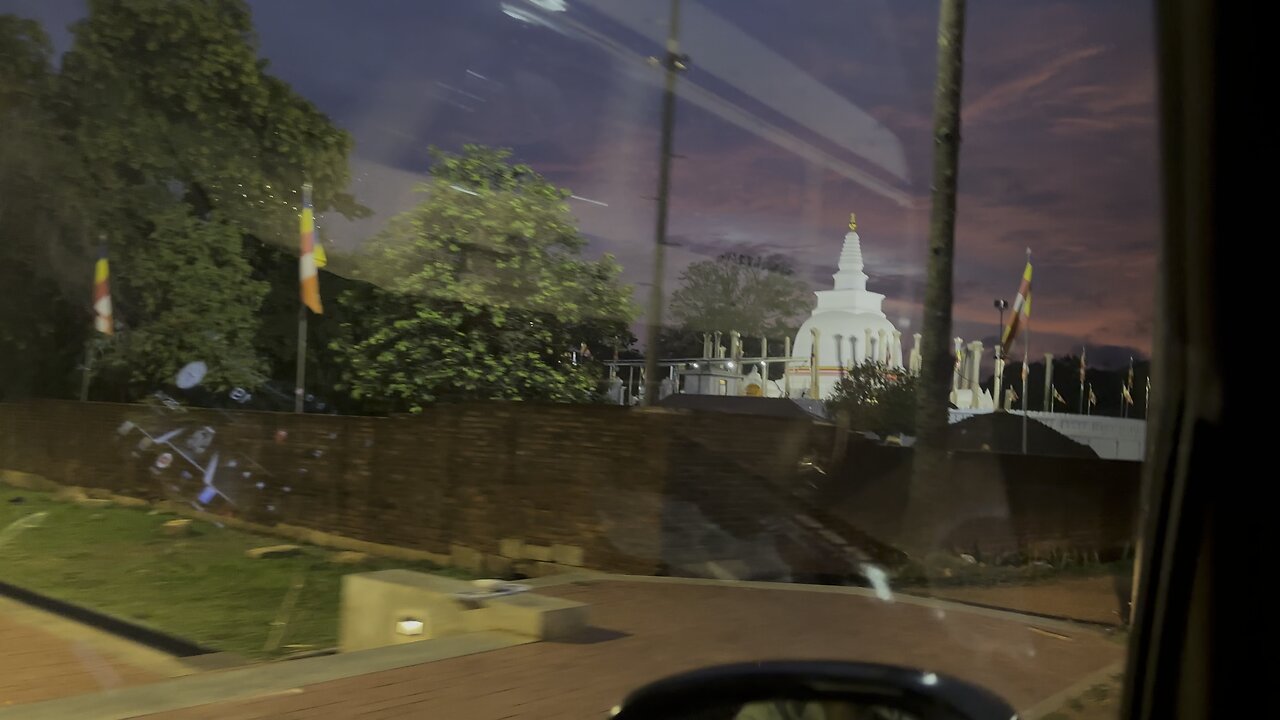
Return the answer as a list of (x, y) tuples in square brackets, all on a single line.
[(602, 478)]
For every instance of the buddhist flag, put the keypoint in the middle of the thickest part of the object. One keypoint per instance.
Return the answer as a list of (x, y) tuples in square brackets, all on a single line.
[(1058, 396), (1126, 395), (1093, 399), (308, 278), (1021, 309), (1129, 382), (1082, 365), (102, 319)]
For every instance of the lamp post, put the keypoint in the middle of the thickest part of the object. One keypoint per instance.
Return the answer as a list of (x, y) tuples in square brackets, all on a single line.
[(1001, 305), (675, 63)]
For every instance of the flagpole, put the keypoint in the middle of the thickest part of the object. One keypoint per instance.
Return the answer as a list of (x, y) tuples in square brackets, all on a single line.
[(103, 319), (1082, 373), (1124, 406), (300, 374), (1146, 401), (1048, 382), (88, 370), (1026, 369), (300, 381)]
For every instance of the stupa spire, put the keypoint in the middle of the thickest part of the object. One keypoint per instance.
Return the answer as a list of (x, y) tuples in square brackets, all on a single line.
[(851, 275)]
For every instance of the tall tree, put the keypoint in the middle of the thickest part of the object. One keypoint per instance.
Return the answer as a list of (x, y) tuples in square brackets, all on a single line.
[(755, 296), (198, 298), (479, 292), (45, 319), (933, 399), (187, 138)]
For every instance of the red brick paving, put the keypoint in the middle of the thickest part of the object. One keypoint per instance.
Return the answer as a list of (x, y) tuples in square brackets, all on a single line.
[(39, 665), (649, 630), (1092, 599)]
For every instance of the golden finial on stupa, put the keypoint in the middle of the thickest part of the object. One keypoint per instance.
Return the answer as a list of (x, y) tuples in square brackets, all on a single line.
[(853, 223)]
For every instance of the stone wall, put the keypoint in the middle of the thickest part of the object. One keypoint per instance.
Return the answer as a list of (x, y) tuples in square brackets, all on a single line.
[(612, 488), (595, 478)]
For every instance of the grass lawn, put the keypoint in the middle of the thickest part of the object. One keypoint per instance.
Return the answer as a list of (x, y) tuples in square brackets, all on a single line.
[(200, 587)]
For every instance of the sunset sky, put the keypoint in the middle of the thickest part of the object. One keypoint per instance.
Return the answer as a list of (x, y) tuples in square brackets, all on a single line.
[(792, 115)]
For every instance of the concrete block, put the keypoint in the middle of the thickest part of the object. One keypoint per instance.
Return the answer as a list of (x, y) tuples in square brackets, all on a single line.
[(511, 547), (176, 528), (539, 616), (567, 555), (541, 553), (70, 493), (273, 551), (469, 559), (498, 566), (535, 569), (28, 481), (348, 557), (129, 502), (374, 602)]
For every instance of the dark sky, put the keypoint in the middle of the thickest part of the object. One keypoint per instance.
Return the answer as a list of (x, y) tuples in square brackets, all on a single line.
[(793, 115)]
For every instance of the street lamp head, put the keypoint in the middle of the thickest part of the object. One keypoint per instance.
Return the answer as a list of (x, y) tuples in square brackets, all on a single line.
[(1001, 304)]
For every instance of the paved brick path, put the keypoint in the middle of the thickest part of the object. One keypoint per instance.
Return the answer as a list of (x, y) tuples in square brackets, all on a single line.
[(44, 657), (646, 630), (1093, 599)]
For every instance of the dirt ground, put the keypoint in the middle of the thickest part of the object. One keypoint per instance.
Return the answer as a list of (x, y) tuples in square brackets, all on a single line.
[(1099, 599)]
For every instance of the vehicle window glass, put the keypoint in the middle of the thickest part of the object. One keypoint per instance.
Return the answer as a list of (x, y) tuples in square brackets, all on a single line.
[(575, 342)]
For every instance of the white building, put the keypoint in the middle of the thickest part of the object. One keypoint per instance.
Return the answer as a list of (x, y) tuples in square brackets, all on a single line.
[(847, 326)]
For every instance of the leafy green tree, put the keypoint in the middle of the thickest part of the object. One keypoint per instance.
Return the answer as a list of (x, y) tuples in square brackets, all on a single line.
[(877, 398), (198, 303), (188, 139), (479, 292), (734, 292), (43, 322)]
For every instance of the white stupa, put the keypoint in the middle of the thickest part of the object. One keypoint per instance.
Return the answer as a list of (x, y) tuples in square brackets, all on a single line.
[(848, 323)]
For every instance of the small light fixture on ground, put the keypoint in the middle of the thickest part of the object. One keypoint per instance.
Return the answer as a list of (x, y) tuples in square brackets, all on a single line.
[(409, 626)]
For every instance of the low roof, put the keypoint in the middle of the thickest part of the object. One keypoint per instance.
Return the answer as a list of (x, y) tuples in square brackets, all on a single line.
[(799, 408), (1001, 432)]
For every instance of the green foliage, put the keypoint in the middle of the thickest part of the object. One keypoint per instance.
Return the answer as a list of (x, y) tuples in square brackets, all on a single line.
[(165, 134), (196, 301), (40, 335), (733, 293), (876, 398), (170, 98), (480, 292)]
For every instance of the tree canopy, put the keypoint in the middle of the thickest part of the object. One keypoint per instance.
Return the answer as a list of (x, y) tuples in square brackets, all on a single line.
[(40, 218), (479, 292), (876, 398), (735, 292), (190, 148)]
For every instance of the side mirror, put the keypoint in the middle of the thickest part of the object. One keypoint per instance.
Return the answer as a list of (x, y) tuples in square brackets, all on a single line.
[(812, 691)]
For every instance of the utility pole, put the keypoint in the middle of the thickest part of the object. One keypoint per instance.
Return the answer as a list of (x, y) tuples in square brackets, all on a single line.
[(674, 63), (929, 466)]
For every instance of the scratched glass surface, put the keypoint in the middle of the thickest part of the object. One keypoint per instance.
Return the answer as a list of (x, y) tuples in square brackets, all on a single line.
[(574, 343)]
